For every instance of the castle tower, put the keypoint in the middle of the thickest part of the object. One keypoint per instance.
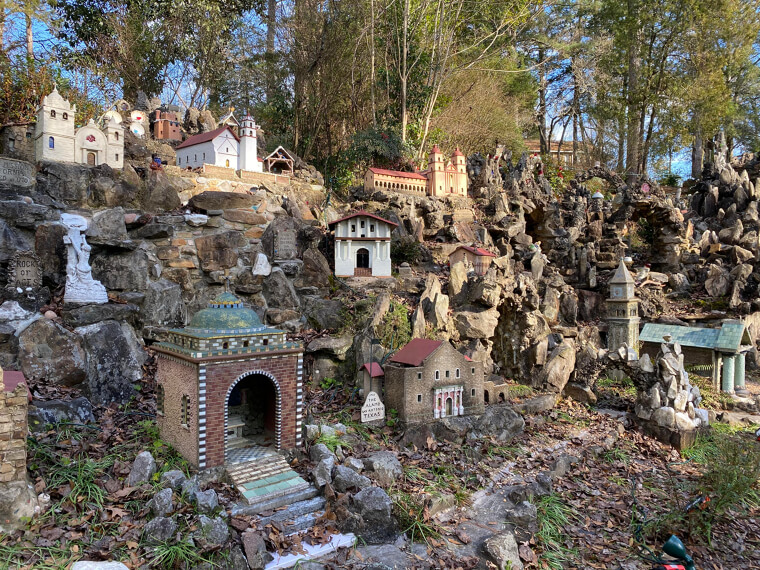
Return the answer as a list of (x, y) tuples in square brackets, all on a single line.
[(54, 132), (248, 154), (622, 311), (115, 139), (437, 175), (460, 172)]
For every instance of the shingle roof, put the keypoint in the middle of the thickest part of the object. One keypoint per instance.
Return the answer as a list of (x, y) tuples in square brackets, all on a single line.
[(374, 369), (362, 213), (728, 338), (398, 173), (416, 351), (205, 137)]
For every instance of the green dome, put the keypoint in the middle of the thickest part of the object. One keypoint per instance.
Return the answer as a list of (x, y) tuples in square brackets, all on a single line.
[(225, 314)]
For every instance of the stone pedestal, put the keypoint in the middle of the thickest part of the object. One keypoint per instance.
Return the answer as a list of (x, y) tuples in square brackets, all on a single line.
[(727, 384)]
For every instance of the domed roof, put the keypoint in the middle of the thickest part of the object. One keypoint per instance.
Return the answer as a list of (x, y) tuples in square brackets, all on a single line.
[(224, 315)]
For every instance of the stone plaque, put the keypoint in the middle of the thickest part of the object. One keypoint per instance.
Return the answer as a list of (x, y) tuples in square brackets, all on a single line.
[(16, 173), (24, 270), (285, 246), (373, 408)]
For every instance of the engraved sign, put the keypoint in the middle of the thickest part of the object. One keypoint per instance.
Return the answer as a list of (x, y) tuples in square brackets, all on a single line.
[(16, 173), (373, 408), (24, 270), (285, 244)]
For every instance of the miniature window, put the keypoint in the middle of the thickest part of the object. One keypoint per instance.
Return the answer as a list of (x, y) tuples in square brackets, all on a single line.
[(116, 136), (456, 374), (160, 400), (472, 392), (372, 227), (117, 156), (204, 156), (195, 157), (225, 345), (419, 375), (227, 163), (361, 224), (185, 410), (179, 160), (447, 374), (245, 344), (437, 375), (419, 397), (473, 371), (51, 142), (65, 116), (28, 135), (265, 341), (353, 227), (52, 114), (11, 144)]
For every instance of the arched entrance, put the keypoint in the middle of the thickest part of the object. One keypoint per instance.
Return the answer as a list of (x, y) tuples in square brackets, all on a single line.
[(90, 159), (252, 418), (362, 257), (449, 407)]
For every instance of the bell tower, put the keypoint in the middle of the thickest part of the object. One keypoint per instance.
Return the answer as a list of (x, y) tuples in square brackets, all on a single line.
[(248, 153), (437, 175), (623, 311), (460, 172)]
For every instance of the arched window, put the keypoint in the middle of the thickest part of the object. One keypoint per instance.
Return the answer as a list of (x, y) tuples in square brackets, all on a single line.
[(227, 163), (185, 411), (65, 116), (160, 400), (51, 142), (116, 135), (52, 114)]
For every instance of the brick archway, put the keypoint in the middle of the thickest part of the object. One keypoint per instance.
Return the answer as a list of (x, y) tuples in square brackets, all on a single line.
[(278, 405)]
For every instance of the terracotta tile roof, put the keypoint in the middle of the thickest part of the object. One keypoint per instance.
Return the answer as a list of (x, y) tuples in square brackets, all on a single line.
[(398, 173), (362, 213), (416, 351), (12, 378), (205, 137), (476, 250), (373, 368), (457, 152)]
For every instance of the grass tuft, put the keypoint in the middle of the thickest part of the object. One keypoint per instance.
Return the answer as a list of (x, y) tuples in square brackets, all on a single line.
[(553, 516)]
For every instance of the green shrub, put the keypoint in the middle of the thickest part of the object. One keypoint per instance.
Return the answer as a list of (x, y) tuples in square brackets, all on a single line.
[(405, 249)]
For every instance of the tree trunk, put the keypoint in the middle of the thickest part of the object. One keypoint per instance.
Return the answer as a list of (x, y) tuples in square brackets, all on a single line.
[(634, 65), (372, 61), (543, 141), (29, 36), (404, 74), (271, 26)]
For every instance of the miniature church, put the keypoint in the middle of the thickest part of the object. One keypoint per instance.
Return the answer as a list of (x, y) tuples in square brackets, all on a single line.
[(57, 139), (363, 245), (441, 178), (429, 379), (623, 312), (223, 147), (229, 389)]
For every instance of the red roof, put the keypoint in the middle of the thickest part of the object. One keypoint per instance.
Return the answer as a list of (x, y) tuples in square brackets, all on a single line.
[(361, 213), (416, 351), (12, 379), (435, 148), (375, 370), (398, 173), (475, 250), (205, 137), (458, 152)]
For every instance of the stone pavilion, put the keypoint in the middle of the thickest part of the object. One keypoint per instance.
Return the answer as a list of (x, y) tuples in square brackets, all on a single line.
[(229, 388)]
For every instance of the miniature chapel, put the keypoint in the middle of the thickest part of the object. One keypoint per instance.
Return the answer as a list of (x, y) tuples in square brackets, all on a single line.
[(362, 245), (429, 379), (229, 389)]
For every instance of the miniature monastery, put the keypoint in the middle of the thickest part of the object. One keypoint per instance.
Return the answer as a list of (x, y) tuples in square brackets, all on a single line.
[(56, 138), (223, 147), (440, 179), (476, 257), (229, 388), (429, 379), (362, 245)]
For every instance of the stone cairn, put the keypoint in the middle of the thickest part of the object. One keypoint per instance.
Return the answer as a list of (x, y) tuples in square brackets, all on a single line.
[(670, 401)]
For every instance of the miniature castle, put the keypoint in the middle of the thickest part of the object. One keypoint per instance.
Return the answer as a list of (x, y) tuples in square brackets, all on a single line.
[(57, 139), (441, 178)]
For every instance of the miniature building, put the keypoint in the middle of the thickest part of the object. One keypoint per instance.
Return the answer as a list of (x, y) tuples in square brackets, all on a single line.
[(721, 348), (56, 138), (166, 125), (280, 161), (249, 160), (372, 377), (228, 387), (219, 147), (230, 121), (363, 245), (17, 141), (430, 379), (563, 155), (440, 179), (623, 312), (477, 257)]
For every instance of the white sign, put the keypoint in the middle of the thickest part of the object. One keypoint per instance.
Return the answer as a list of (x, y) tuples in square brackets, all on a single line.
[(373, 408)]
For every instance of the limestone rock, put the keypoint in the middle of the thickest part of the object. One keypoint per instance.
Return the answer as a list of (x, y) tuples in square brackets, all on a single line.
[(255, 550), (385, 467), (126, 271), (173, 479), (580, 393), (163, 305), (279, 292), (219, 200), (143, 468), (17, 504), (219, 251), (315, 271), (477, 324), (212, 532), (162, 505), (319, 451), (717, 282), (205, 501), (262, 267), (43, 412), (502, 549), (51, 353), (558, 368), (346, 479), (114, 361), (107, 226), (664, 417), (500, 422), (373, 506), (457, 279), (322, 473)]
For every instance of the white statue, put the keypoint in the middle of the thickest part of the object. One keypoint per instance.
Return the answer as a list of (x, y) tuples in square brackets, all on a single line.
[(80, 286)]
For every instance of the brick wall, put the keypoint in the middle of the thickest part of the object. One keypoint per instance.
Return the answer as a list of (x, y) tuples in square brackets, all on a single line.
[(13, 408), (222, 376), (178, 378)]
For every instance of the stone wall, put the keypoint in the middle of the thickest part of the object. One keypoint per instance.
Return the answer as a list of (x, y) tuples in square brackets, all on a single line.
[(13, 408)]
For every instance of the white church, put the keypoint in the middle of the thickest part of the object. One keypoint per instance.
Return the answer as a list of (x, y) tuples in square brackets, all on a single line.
[(56, 138), (222, 147)]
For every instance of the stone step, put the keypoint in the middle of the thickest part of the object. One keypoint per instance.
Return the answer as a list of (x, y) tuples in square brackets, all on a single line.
[(295, 510), (268, 503)]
